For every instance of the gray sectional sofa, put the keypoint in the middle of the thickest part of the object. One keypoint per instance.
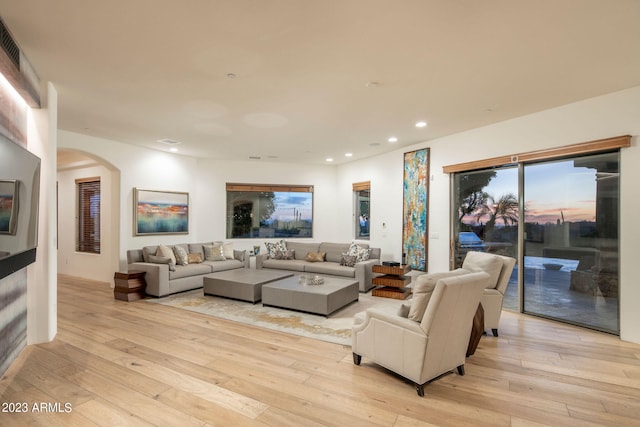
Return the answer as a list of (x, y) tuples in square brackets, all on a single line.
[(164, 279), (331, 265)]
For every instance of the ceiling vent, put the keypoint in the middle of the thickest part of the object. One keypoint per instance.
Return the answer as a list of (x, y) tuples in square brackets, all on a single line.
[(9, 46), (169, 141), (17, 70)]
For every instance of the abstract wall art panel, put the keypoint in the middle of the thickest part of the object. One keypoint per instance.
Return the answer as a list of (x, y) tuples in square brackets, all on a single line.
[(416, 208)]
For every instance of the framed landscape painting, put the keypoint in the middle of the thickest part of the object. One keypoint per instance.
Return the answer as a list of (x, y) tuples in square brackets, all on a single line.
[(160, 212), (8, 206), (416, 208)]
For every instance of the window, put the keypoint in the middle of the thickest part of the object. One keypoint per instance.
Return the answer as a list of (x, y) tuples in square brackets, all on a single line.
[(361, 192), (269, 211), (88, 216)]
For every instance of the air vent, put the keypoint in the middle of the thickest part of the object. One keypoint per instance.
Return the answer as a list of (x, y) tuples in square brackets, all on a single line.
[(9, 46), (169, 141)]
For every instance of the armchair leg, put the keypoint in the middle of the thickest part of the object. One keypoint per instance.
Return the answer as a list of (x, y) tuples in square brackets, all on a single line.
[(495, 332), (356, 359), (461, 369), (420, 389)]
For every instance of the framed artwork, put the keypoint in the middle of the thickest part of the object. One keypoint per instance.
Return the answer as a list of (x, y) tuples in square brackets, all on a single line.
[(8, 206), (160, 212), (415, 208)]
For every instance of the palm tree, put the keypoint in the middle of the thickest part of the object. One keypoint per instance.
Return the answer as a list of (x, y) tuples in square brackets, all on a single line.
[(505, 208)]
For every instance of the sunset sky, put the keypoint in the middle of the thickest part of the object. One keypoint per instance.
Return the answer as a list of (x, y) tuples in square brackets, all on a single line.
[(551, 188)]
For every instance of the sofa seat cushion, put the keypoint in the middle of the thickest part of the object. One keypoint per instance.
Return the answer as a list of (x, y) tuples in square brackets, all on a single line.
[(189, 270), (229, 264), (281, 264), (331, 268)]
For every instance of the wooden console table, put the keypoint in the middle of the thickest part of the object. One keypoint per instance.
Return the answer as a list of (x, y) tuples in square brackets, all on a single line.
[(130, 286), (393, 283)]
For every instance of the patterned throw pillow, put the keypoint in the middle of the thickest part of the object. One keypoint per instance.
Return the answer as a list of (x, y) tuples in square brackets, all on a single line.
[(287, 254), (182, 257), (348, 260), (214, 252), (315, 256), (274, 247), (195, 258), (361, 254)]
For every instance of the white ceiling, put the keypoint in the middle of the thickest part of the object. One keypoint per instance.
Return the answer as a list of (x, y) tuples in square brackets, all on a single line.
[(137, 71)]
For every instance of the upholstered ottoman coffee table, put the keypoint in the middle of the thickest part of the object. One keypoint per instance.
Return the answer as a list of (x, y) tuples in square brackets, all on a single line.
[(322, 299), (242, 283)]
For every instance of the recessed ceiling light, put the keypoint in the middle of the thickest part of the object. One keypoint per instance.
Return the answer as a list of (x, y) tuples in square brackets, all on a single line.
[(374, 144), (173, 149), (254, 157), (348, 154), (231, 75), (393, 139), (421, 124), (329, 159)]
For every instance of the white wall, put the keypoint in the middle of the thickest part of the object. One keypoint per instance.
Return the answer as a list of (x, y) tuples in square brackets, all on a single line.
[(42, 290), (602, 117)]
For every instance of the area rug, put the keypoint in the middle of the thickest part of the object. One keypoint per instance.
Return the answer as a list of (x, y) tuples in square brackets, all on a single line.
[(336, 328)]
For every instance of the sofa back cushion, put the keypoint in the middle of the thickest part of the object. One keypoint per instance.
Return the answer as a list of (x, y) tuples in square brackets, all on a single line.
[(334, 251), (482, 261), (301, 248), (423, 289)]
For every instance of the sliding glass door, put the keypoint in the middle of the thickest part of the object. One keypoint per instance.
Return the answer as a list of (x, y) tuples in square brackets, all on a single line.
[(567, 232), (571, 240), (486, 218)]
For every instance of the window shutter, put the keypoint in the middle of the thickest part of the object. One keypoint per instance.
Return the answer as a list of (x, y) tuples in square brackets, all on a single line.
[(88, 233)]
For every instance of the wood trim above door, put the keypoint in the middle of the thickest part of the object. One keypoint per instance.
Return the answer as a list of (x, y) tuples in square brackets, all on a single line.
[(549, 153)]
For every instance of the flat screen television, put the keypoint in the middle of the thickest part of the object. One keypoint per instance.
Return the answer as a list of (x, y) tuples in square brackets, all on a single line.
[(19, 196)]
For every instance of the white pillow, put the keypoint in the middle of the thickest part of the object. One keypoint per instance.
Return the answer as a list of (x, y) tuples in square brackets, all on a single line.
[(165, 251), (227, 250), (423, 289), (481, 261)]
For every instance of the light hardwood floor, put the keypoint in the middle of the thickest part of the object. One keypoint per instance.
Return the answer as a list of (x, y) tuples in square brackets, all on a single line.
[(139, 364)]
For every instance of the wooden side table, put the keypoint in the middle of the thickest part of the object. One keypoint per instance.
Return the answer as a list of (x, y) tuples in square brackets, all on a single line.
[(130, 286), (393, 283)]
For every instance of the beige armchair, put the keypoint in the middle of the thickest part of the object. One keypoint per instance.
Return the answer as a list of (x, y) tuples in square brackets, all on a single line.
[(424, 350), (493, 295)]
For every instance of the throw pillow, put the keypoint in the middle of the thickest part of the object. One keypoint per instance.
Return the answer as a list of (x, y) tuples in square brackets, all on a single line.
[(195, 258), (315, 256), (423, 289), (481, 261), (165, 251), (214, 252), (274, 247), (361, 254), (348, 260), (287, 254), (227, 250), (162, 260), (182, 257)]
